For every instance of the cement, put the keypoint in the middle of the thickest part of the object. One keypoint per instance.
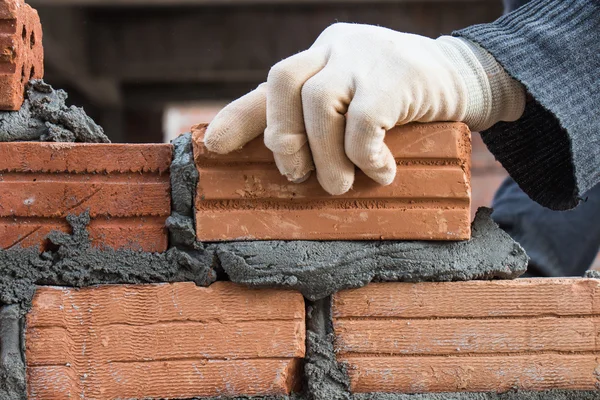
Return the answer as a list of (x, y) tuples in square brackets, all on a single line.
[(326, 379), (12, 363), (72, 261), (319, 269), (184, 176), (184, 179), (592, 274), (44, 116)]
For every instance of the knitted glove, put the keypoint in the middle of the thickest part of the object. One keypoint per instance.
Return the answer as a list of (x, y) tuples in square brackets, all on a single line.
[(333, 103)]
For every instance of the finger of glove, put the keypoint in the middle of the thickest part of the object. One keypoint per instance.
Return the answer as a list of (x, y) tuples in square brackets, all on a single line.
[(325, 98), (296, 167), (238, 123), (368, 119), (286, 134)]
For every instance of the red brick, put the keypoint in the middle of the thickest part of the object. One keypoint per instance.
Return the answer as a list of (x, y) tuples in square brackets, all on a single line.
[(21, 51), (242, 196), (527, 334), (126, 189), (164, 341)]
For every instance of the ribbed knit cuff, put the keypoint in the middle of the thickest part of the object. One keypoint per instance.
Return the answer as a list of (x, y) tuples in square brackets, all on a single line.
[(492, 95), (508, 95)]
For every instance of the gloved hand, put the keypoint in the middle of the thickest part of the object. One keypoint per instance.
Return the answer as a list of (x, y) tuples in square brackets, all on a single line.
[(334, 102)]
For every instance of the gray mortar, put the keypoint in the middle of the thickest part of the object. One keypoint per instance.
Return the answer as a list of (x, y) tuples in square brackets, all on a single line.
[(184, 178), (326, 379), (319, 269), (44, 116), (72, 261), (592, 274), (12, 363)]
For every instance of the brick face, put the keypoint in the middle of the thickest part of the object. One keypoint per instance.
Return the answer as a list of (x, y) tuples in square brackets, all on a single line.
[(126, 189), (163, 341), (242, 195), (527, 334), (22, 54)]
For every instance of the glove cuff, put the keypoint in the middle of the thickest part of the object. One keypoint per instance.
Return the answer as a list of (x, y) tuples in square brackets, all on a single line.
[(493, 95)]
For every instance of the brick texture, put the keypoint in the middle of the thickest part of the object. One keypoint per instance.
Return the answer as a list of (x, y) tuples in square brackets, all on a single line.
[(528, 334), (126, 189), (21, 51), (163, 341), (242, 195)]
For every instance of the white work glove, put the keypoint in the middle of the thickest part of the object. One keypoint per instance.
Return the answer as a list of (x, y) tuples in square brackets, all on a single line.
[(337, 99)]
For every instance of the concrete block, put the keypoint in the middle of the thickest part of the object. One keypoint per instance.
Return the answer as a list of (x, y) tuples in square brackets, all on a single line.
[(242, 196), (126, 189), (21, 51), (164, 341), (478, 336)]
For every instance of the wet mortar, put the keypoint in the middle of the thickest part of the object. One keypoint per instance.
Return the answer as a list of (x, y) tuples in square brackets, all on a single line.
[(44, 116)]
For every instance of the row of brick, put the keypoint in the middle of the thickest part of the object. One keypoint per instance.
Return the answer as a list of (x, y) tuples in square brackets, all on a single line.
[(241, 196), (182, 341)]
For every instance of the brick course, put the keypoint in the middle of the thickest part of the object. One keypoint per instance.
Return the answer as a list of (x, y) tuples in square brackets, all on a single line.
[(21, 51), (126, 189), (527, 334), (242, 196), (163, 341)]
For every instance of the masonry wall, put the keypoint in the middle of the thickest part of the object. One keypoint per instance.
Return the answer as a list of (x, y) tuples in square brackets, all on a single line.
[(176, 339), (182, 341)]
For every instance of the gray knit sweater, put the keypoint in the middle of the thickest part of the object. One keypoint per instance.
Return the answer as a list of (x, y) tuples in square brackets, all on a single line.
[(553, 48)]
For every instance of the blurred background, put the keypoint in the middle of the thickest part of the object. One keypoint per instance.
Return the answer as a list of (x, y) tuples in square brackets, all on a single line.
[(146, 70)]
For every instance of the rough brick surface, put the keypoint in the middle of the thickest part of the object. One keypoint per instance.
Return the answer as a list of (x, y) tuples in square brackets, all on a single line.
[(163, 341), (527, 334), (21, 51), (241, 195), (125, 187)]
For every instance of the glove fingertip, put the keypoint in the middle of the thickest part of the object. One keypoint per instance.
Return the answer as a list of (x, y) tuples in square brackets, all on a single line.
[(214, 141), (339, 186)]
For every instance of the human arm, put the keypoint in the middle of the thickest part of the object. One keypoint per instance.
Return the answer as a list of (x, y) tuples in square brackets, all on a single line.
[(334, 102)]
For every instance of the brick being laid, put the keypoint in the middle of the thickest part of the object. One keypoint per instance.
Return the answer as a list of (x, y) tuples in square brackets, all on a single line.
[(21, 51), (164, 341), (125, 188), (242, 195), (478, 336)]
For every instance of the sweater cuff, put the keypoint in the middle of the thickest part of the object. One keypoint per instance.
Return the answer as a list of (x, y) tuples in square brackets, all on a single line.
[(551, 151)]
